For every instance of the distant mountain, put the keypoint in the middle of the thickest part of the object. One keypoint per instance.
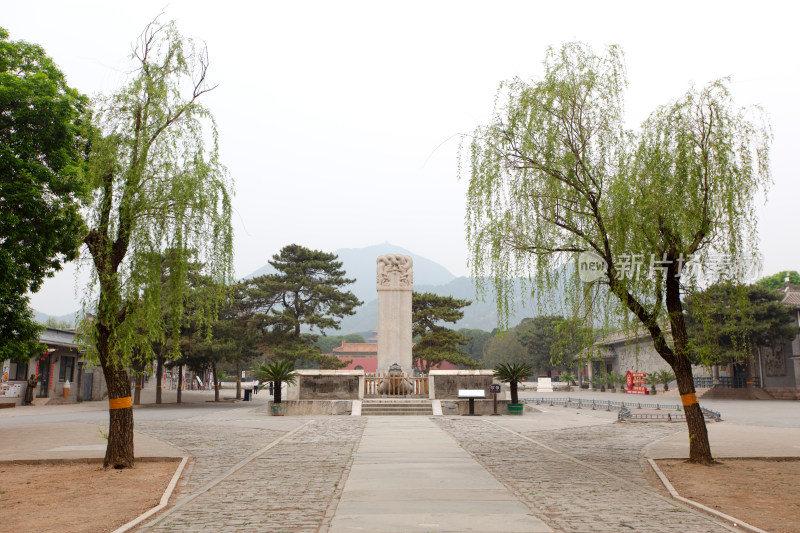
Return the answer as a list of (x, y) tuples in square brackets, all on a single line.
[(429, 276), (359, 263), (478, 315), (70, 319)]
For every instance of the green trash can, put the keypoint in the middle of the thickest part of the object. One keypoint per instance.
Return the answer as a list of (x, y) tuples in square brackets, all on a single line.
[(516, 408)]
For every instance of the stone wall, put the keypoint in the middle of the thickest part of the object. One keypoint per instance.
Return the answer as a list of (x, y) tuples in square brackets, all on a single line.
[(327, 385), (482, 407), (446, 383), (329, 388), (313, 407)]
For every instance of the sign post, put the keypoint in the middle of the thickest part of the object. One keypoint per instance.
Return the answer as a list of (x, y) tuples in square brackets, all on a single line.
[(495, 388)]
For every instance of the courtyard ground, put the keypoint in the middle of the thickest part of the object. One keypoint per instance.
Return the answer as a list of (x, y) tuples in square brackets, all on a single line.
[(574, 470)]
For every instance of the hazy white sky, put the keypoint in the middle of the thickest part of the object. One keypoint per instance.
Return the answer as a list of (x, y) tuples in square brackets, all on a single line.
[(340, 121)]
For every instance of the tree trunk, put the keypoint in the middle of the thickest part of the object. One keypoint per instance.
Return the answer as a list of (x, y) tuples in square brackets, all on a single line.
[(119, 451), (678, 359), (180, 382), (138, 373), (216, 383), (699, 446), (238, 380), (676, 356), (514, 395), (278, 388), (159, 373)]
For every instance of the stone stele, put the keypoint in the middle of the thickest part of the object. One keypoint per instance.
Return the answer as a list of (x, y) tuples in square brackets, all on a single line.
[(395, 285)]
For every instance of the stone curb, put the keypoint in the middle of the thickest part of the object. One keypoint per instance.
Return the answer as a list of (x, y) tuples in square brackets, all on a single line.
[(674, 493), (163, 503)]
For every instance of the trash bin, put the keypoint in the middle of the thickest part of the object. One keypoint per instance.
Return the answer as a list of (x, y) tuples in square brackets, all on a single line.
[(247, 393)]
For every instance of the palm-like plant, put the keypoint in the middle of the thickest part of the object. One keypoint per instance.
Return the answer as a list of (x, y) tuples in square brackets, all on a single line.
[(652, 380), (568, 377), (665, 377), (619, 379), (278, 372), (512, 373), (599, 381), (610, 382)]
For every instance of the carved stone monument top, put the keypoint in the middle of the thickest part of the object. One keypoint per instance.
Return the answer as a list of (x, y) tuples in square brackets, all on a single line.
[(395, 272)]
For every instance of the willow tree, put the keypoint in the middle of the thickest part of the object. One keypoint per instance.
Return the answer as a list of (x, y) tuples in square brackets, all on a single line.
[(158, 185), (555, 175)]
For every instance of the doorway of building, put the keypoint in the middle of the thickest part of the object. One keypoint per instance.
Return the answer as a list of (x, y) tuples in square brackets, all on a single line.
[(43, 370)]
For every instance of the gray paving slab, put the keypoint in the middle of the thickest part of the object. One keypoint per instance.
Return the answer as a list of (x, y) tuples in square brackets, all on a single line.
[(409, 475), (76, 440), (733, 440)]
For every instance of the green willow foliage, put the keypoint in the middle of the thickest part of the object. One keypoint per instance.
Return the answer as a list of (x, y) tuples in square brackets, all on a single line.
[(556, 173), (159, 191)]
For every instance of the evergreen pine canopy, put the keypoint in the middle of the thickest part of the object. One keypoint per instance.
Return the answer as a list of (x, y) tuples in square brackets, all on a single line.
[(305, 293), (436, 342)]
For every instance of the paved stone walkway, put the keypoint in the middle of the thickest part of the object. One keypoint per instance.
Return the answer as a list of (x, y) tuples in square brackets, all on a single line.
[(288, 487), (409, 475), (580, 479)]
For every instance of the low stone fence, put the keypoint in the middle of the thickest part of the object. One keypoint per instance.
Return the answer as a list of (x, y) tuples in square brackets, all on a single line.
[(313, 407), (482, 407), (445, 384), (327, 385)]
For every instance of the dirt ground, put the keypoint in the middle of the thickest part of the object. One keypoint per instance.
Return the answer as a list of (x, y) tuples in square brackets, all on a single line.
[(79, 496), (763, 492)]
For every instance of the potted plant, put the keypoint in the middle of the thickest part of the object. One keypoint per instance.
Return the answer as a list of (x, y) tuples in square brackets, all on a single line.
[(568, 378), (599, 381), (619, 379), (278, 372), (665, 377), (610, 382), (652, 380), (512, 373)]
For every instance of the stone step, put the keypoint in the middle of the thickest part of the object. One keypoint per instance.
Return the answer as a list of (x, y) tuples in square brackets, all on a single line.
[(729, 393), (398, 407), (391, 404), (397, 413), (414, 411)]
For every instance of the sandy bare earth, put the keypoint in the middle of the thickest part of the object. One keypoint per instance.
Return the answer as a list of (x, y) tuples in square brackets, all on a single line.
[(78, 496), (75, 497), (763, 492)]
